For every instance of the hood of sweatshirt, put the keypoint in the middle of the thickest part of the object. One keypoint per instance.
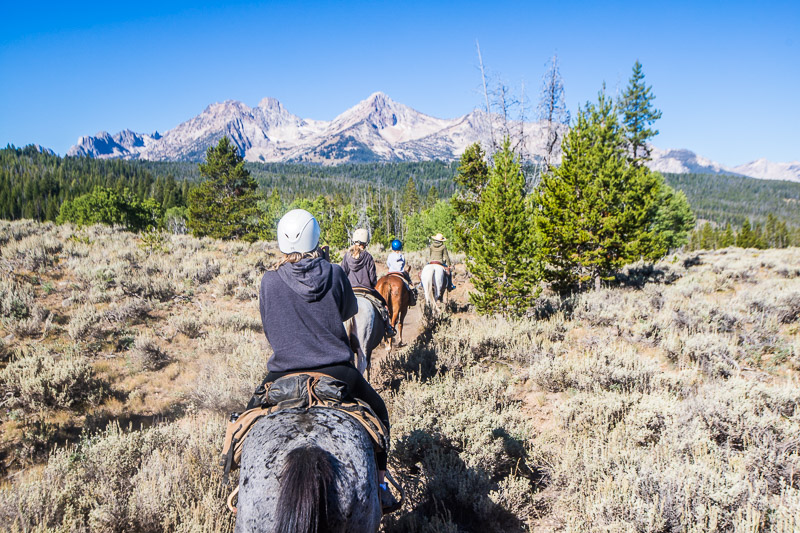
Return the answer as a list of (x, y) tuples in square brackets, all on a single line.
[(310, 278), (356, 264), (437, 245)]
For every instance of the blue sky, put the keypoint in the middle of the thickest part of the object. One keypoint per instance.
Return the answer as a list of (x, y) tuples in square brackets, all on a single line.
[(725, 74)]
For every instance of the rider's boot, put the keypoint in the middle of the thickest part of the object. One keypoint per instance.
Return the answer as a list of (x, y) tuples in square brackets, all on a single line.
[(389, 503), (389, 331), (450, 285)]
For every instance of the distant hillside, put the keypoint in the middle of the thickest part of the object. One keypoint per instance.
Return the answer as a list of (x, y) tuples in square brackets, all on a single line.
[(33, 184), (301, 179), (722, 199)]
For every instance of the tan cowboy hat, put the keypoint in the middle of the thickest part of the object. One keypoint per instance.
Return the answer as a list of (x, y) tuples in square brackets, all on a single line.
[(439, 237)]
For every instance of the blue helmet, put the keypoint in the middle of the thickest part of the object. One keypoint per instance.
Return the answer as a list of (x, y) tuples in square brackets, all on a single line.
[(397, 245)]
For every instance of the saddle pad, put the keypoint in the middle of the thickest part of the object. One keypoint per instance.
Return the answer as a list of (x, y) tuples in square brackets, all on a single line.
[(370, 298)]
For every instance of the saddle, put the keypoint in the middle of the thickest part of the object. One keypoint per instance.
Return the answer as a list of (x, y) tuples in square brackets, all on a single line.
[(367, 293), (309, 390)]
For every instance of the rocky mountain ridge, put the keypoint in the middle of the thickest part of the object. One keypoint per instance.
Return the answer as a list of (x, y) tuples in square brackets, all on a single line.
[(375, 129)]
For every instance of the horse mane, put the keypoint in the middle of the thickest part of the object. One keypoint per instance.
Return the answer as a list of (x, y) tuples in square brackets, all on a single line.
[(306, 475)]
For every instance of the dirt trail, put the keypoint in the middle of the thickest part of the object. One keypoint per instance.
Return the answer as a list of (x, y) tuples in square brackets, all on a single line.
[(412, 325)]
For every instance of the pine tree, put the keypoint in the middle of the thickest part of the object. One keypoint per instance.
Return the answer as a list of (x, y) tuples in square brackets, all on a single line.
[(673, 220), (595, 211), (411, 203), (728, 238), (272, 209), (472, 177), (432, 197), (745, 237), (224, 205), (781, 235), (770, 227), (638, 114), (502, 256), (707, 241)]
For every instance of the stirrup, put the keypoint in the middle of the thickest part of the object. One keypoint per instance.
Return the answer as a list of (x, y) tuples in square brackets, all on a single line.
[(389, 503)]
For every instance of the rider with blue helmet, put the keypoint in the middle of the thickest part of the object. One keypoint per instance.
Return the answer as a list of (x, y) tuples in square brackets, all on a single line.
[(397, 264)]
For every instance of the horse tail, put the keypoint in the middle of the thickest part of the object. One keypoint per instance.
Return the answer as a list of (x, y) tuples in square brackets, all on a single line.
[(430, 290), (303, 501)]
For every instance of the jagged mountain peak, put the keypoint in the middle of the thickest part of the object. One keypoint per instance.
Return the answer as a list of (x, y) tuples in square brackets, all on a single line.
[(375, 129), (271, 104)]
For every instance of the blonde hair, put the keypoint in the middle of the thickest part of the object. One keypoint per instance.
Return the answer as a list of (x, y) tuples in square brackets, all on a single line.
[(356, 250), (294, 257)]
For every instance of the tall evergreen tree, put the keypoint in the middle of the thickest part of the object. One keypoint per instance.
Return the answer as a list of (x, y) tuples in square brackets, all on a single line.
[(727, 238), (673, 220), (638, 114), (707, 237), (411, 203), (745, 238), (595, 212), (432, 197), (224, 205), (472, 177), (272, 209), (502, 255)]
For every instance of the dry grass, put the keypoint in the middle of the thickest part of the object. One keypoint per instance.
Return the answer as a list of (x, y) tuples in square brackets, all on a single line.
[(666, 402)]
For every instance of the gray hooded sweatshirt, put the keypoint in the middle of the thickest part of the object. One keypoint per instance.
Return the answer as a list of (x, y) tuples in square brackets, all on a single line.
[(361, 271), (302, 308)]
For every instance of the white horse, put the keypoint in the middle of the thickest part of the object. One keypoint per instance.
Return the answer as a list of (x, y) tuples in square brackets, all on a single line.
[(365, 331), (434, 285)]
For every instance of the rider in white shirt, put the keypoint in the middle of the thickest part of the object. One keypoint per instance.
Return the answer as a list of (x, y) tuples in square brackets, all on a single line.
[(396, 262)]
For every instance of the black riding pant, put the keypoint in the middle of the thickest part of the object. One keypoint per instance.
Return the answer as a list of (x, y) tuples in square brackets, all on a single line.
[(357, 386)]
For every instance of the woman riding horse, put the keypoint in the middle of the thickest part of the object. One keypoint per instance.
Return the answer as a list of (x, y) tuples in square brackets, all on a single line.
[(303, 302), (438, 254), (359, 266)]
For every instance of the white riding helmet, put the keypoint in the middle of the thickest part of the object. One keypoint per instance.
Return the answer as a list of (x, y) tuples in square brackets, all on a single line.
[(298, 231), (361, 235)]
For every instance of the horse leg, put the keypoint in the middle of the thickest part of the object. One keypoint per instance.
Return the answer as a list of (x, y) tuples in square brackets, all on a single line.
[(361, 361), (395, 317), (400, 333)]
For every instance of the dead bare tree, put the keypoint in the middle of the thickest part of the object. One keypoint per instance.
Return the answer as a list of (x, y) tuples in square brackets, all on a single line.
[(489, 119), (552, 111), (505, 112)]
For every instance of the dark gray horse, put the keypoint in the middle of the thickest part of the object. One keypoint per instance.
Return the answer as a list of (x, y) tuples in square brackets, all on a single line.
[(310, 470)]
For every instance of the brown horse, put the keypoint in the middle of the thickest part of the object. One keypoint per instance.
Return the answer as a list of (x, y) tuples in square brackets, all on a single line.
[(394, 290)]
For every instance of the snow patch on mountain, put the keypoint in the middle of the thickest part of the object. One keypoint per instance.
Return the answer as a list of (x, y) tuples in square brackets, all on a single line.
[(767, 170), (680, 161)]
